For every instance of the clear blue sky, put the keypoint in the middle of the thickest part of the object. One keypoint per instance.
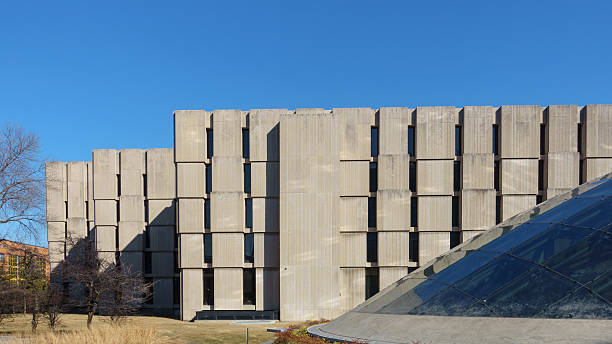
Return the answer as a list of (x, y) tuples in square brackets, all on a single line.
[(108, 74)]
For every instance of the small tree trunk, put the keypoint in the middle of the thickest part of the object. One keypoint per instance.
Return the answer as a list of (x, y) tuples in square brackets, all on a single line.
[(35, 314), (90, 315)]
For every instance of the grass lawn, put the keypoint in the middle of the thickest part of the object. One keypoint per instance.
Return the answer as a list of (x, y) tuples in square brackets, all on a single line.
[(169, 330)]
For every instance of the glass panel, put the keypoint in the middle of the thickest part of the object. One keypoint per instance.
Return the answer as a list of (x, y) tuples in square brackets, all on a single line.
[(464, 267), (371, 212), (208, 248), (597, 216), (411, 141), (249, 248), (248, 286), (449, 302), (374, 141), (455, 215), (530, 294), (412, 175), (209, 143), (371, 282), (493, 275), (456, 175), (372, 247), (603, 286), (373, 177), (413, 298), (585, 260), (564, 210), (495, 130), (248, 207), (515, 237), (457, 140), (413, 248), (550, 243), (414, 206), (582, 304), (602, 190), (245, 143), (209, 287), (247, 178), (208, 178), (206, 213)]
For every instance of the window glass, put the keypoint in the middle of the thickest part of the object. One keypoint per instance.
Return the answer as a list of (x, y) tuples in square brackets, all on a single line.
[(208, 178), (516, 237), (413, 248), (564, 210), (373, 177), (582, 303), (449, 302), (495, 146), (208, 287), (248, 212), (247, 178), (372, 247), (414, 205), (249, 248), (456, 175), (596, 216), (371, 282), (411, 141), (374, 141), (412, 175), (208, 254), (206, 213), (209, 143), (455, 219), (372, 212), (458, 141), (548, 244), (248, 283), (460, 269), (245, 143)]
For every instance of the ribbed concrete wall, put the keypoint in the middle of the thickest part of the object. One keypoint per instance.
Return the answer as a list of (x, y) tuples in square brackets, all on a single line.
[(319, 196)]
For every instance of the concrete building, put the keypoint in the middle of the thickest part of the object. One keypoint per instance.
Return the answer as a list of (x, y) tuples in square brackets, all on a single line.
[(306, 213)]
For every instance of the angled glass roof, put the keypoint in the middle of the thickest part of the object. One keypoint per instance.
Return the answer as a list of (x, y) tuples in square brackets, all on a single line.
[(555, 265)]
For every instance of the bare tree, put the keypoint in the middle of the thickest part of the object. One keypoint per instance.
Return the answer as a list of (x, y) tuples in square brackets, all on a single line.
[(106, 287), (53, 305), (32, 282), (21, 180)]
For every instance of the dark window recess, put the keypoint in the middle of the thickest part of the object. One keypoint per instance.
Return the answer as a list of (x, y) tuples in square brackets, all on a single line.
[(245, 143), (373, 177), (176, 240), (147, 237), (372, 248), (458, 140), (146, 211), (209, 143), (118, 259), (116, 239), (66, 208), (147, 263), (497, 209), (372, 212), (176, 263), (119, 184), (176, 291), (455, 239), (580, 137), (87, 210), (208, 254), (412, 176), (540, 174), (149, 283), (580, 172), (495, 141), (457, 175), (374, 141), (414, 216), (413, 246), (496, 175), (249, 248), (118, 212), (144, 185), (539, 199), (542, 139), (248, 286), (371, 282), (208, 279), (208, 178), (455, 209), (247, 178), (206, 213), (248, 209), (411, 141)]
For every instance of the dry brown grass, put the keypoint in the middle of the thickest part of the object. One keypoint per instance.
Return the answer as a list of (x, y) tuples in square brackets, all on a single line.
[(106, 335), (166, 330)]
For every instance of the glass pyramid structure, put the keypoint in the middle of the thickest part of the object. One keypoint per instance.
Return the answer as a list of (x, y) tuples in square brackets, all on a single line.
[(556, 264)]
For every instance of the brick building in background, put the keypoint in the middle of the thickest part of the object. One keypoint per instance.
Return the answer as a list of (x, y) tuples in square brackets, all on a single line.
[(13, 253), (310, 212)]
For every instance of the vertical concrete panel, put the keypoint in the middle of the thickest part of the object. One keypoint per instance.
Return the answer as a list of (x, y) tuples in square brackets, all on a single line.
[(393, 249), (519, 176), (56, 251), (353, 214), (352, 288), (477, 171), (435, 132), (514, 204), (228, 250), (393, 172), (163, 264), (561, 170), (520, 131), (55, 177), (77, 188), (191, 293), (265, 214), (598, 123), (393, 130), (191, 179), (477, 209), (478, 130), (105, 238), (562, 128), (354, 178), (132, 167), (389, 275), (392, 210), (435, 213), (353, 249), (190, 135), (227, 174), (90, 199), (227, 211), (56, 231), (595, 168), (227, 133), (76, 228), (106, 211), (132, 261), (431, 245), (131, 236), (191, 215), (162, 212), (161, 174), (105, 169), (265, 179), (267, 289), (435, 177), (191, 251), (131, 208), (228, 288), (266, 250), (354, 132), (308, 221), (264, 133), (162, 238)]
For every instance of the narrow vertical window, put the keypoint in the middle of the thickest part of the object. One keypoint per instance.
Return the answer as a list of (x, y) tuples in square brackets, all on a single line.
[(176, 291), (542, 139), (146, 211), (539, 199), (372, 212), (209, 143), (144, 185), (147, 234), (495, 144), (458, 148), (372, 247), (540, 174), (455, 210), (580, 138), (208, 178), (247, 178), (412, 176), (248, 209), (374, 141), (456, 175), (66, 208), (414, 206), (207, 213), (208, 287), (413, 246), (372, 283), (87, 210), (411, 142), (498, 206), (119, 185), (176, 263), (455, 239), (496, 175), (245, 143), (176, 240), (248, 286), (373, 177), (147, 263), (249, 248), (208, 255), (118, 211)]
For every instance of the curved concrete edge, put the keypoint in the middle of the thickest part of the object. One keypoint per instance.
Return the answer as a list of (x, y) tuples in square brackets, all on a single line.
[(316, 331)]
